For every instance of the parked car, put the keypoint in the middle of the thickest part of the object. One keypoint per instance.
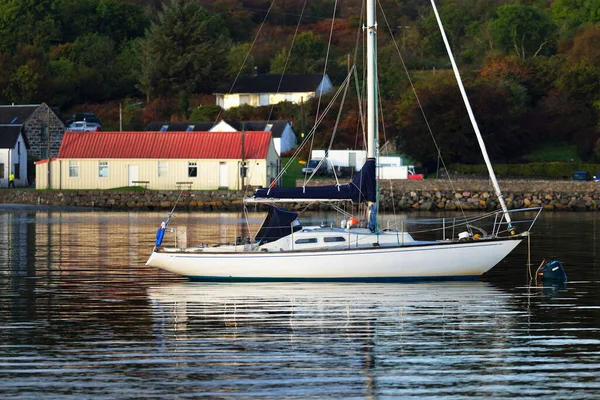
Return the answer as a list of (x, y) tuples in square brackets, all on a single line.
[(581, 176), (597, 177), (87, 117), (311, 165), (83, 126)]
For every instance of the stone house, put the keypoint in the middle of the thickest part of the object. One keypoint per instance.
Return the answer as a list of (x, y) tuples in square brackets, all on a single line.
[(41, 126)]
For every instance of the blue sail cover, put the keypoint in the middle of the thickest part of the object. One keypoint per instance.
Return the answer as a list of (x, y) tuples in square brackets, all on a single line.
[(362, 188), (277, 224)]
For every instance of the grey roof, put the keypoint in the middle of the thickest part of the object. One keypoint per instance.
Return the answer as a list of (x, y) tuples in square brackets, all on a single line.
[(16, 114), (266, 83), (277, 128), (9, 135), (179, 126)]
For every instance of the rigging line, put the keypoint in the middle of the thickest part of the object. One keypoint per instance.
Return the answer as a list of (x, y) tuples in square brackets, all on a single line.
[(246, 58), (360, 111), (439, 154), (467, 103), (337, 122), (313, 130), (327, 56), (287, 60), (360, 94), (320, 98)]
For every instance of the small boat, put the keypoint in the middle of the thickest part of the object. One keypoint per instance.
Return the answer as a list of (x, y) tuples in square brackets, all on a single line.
[(284, 250)]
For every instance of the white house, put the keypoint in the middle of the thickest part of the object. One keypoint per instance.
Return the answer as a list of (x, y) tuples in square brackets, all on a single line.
[(13, 155), (265, 89), (282, 132), (161, 161)]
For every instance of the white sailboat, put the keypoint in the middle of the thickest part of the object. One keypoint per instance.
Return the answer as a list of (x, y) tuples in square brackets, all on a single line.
[(283, 250)]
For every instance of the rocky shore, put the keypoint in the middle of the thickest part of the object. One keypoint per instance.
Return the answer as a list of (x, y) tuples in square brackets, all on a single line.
[(427, 195)]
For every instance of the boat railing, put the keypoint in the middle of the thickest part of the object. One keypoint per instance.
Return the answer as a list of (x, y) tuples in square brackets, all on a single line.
[(489, 225)]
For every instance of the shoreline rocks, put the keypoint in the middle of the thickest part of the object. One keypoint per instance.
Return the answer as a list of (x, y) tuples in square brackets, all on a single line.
[(399, 195)]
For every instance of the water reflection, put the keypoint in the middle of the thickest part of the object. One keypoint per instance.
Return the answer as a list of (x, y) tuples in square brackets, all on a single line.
[(81, 316)]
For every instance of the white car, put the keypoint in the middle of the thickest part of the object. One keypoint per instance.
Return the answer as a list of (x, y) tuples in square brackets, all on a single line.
[(83, 126)]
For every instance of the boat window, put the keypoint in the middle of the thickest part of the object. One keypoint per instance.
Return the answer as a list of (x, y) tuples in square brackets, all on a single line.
[(334, 239), (305, 241)]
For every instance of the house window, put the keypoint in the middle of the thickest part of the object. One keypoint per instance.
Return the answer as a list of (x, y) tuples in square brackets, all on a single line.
[(73, 169), (17, 171), (103, 169), (44, 132), (244, 99), (43, 154), (192, 169), (163, 169), (1, 171)]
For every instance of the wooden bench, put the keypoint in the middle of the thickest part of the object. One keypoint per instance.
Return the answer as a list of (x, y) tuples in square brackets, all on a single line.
[(139, 183), (186, 185)]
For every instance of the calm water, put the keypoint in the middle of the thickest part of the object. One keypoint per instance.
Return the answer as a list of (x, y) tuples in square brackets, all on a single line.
[(81, 316)]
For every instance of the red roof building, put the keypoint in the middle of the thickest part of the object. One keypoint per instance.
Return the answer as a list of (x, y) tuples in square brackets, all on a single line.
[(161, 160)]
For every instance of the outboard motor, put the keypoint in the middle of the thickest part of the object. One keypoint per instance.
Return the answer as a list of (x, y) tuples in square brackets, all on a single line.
[(551, 272)]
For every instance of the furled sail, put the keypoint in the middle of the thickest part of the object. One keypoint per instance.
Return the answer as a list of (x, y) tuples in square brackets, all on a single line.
[(277, 224), (362, 188)]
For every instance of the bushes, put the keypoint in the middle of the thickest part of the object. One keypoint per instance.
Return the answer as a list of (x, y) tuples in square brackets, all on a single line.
[(545, 170)]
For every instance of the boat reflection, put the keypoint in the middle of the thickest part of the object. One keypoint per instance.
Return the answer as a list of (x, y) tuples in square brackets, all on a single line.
[(295, 307)]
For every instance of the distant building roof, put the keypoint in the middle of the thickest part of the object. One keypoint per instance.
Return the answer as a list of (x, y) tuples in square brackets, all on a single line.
[(165, 145), (267, 83), (9, 134), (18, 114), (276, 127), (179, 126)]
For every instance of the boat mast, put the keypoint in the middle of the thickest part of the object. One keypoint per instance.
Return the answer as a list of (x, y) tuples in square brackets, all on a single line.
[(473, 121), (372, 113)]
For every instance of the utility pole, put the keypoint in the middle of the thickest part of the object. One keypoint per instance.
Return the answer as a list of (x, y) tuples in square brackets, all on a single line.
[(302, 119), (48, 149), (243, 167)]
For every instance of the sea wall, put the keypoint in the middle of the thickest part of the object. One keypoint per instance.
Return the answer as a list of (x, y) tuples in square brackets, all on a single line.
[(430, 195)]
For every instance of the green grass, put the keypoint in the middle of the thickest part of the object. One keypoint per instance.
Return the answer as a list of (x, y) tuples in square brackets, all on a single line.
[(554, 152)]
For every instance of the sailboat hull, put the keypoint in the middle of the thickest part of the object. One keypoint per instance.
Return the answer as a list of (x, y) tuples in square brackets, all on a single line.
[(443, 260)]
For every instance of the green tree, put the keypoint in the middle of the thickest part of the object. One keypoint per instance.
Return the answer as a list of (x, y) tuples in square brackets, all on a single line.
[(523, 30), (118, 20), (570, 15), (184, 51), (23, 86), (307, 56), (27, 22), (499, 111)]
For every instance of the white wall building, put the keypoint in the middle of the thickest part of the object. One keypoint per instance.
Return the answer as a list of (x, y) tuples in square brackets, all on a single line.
[(264, 90), (13, 155), (161, 161)]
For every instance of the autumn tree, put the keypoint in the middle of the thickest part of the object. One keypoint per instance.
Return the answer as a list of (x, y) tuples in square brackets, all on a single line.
[(498, 108)]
